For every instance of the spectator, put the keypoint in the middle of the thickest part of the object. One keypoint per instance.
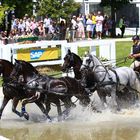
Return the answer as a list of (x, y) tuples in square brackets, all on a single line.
[(109, 21), (93, 24), (21, 26), (99, 25), (4, 37), (80, 30), (41, 28), (47, 22), (105, 27), (89, 27), (73, 28), (122, 25), (62, 29)]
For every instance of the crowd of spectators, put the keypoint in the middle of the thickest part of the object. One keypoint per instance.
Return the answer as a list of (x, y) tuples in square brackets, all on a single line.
[(94, 25)]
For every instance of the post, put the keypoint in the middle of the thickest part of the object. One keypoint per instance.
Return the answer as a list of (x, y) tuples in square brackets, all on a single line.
[(6, 20), (138, 5), (34, 7), (86, 8)]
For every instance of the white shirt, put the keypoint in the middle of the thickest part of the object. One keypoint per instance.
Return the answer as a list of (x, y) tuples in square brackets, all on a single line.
[(99, 19)]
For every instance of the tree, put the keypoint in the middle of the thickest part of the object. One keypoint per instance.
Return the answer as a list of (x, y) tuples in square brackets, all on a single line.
[(57, 8), (20, 7), (115, 5)]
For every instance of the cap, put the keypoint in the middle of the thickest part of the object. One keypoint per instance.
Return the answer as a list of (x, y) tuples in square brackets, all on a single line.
[(135, 37)]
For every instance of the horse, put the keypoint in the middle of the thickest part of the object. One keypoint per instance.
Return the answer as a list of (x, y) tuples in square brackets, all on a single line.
[(5, 70), (13, 90), (109, 81), (72, 60), (64, 87), (29, 74)]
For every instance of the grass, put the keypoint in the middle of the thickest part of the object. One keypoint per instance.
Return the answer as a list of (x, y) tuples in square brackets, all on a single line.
[(123, 48)]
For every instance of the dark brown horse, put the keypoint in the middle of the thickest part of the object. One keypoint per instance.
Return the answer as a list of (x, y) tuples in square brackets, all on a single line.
[(72, 60), (30, 74), (9, 91), (13, 90), (64, 88)]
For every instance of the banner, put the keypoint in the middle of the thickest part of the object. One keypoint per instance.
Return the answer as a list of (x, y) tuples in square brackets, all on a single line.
[(38, 54)]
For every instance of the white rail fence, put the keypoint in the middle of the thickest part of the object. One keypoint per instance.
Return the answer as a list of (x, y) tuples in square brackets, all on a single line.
[(106, 50)]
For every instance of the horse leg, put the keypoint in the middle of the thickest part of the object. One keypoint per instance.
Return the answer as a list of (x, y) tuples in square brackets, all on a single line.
[(4, 103), (102, 97), (115, 100), (42, 108), (26, 101), (68, 104), (57, 102), (15, 103)]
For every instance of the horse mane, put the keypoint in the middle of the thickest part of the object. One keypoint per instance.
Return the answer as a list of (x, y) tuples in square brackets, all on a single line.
[(94, 56), (29, 66), (77, 56), (8, 62)]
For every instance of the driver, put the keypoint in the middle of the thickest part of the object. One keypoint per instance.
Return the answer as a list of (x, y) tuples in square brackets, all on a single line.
[(135, 52)]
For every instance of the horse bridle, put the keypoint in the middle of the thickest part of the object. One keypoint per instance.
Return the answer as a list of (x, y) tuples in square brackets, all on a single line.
[(101, 83)]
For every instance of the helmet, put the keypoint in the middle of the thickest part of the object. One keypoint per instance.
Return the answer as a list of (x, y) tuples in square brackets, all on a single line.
[(135, 37)]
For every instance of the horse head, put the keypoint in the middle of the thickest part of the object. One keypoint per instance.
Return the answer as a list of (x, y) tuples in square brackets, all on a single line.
[(68, 61), (71, 60), (23, 68), (87, 63)]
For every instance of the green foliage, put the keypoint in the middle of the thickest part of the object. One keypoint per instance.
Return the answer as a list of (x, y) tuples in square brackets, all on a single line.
[(4, 8), (57, 8), (20, 6), (115, 3)]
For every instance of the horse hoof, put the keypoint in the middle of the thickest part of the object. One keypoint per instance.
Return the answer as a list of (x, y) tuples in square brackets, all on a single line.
[(26, 116), (97, 111), (60, 118), (49, 120)]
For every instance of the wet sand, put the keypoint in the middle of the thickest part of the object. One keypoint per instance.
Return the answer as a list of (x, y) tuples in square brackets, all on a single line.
[(80, 125)]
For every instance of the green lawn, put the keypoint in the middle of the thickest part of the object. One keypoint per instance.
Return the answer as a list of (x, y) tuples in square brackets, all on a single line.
[(122, 51), (123, 48)]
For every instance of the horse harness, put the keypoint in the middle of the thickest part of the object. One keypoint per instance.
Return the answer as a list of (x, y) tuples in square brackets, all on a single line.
[(110, 82)]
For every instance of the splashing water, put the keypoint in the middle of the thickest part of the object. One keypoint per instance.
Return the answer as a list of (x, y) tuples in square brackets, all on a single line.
[(81, 124)]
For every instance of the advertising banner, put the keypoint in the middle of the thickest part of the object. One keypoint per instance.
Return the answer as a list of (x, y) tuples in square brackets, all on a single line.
[(38, 54)]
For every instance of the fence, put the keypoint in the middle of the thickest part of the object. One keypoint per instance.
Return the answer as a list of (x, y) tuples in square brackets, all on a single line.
[(37, 55)]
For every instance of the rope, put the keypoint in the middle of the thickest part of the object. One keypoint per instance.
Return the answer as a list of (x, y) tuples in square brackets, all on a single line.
[(118, 61)]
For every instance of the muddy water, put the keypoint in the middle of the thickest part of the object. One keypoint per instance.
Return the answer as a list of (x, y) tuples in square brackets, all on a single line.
[(80, 125)]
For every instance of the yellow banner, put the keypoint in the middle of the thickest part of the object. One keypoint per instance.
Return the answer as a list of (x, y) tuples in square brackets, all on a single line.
[(38, 54)]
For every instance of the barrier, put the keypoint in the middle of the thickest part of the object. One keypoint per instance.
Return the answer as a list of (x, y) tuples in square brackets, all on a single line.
[(106, 50)]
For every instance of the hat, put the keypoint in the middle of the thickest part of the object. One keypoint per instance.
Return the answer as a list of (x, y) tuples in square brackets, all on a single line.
[(99, 12), (135, 37)]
